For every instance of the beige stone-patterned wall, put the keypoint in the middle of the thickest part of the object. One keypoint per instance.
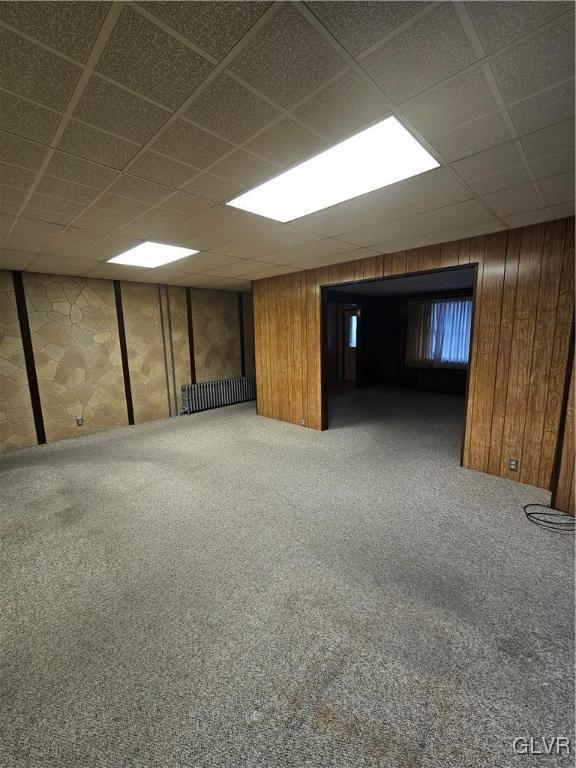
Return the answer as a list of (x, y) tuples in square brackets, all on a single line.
[(144, 341), (16, 418), (248, 312), (216, 325), (180, 345), (77, 353)]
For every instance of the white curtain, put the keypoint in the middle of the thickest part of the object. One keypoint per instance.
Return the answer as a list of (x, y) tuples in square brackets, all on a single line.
[(438, 333)]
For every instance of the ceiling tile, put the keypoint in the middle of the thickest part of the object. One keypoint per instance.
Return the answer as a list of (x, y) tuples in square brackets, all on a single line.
[(213, 188), (185, 203), (15, 259), (244, 169), (344, 106), (430, 50), (103, 220), (472, 138), (111, 246), (193, 280), (549, 141), (545, 108), (514, 200), (162, 216), (214, 26), (440, 236), (113, 109), (121, 205), (505, 179), (327, 247), (67, 190), (238, 268), (286, 143), (73, 242), (47, 202), (69, 27), (528, 217), (59, 265), (149, 61), (26, 119), (557, 189), (11, 209), (81, 171), (537, 63), (203, 262), (467, 212), (393, 230), (16, 177), (553, 165), (32, 72), (89, 142), (21, 152), (358, 25), (563, 209), (229, 109), (488, 162), (435, 188), (184, 141), (12, 195), (448, 105), (139, 189), (162, 169), (288, 59), (499, 24), (30, 235)]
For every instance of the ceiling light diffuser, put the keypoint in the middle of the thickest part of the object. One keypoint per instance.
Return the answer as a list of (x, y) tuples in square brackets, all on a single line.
[(151, 255), (372, 159)]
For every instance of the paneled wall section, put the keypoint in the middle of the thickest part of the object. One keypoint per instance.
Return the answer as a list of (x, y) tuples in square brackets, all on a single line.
[(523, 314), (75, 343)]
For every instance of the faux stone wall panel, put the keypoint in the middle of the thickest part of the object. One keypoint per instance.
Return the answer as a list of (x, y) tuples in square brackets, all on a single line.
[(216, 334), (248, 310), (16, 418), (179, 325), (77, 353), (142, 320)]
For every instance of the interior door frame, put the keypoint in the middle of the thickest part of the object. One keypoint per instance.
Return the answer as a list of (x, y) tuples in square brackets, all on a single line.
[(324, 288)]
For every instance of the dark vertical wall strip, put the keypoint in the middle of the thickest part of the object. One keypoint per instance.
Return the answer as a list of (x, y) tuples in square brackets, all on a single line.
[(190, 335), (123, 351), (242, 342), (29, 356), (169, 315), (165, 350)]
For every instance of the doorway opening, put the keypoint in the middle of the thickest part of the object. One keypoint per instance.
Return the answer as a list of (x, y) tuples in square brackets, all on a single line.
[(399, 345)]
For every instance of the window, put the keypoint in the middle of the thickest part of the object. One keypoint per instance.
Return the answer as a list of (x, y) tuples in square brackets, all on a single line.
[(352, 331), (438, 333)]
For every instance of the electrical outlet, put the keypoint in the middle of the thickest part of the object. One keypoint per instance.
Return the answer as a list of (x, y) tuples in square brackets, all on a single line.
[(79, 421), (303, 422), (513, 465)]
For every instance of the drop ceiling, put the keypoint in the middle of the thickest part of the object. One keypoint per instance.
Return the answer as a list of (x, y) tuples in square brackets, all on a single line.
[(127, 122)]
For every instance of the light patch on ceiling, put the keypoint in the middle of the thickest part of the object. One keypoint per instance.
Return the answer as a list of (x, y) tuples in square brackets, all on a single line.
[(150, 255), (374, 158)]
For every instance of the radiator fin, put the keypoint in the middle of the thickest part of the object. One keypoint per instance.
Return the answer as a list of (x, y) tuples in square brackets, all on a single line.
[(214, 394)]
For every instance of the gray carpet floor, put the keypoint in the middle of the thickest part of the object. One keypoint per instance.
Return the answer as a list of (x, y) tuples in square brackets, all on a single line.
[(225, 590)]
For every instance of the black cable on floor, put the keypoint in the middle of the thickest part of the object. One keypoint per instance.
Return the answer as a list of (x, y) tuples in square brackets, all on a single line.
[(544, 519)]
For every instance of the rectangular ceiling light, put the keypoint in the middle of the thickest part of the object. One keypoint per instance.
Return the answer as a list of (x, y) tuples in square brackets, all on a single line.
[(151, 255), (372, 159)]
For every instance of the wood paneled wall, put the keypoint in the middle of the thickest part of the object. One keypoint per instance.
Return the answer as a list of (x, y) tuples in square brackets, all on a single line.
[(563, 495), (523, 314)]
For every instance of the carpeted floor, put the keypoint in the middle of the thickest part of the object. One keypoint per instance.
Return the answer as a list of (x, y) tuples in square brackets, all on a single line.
[(225, 590)]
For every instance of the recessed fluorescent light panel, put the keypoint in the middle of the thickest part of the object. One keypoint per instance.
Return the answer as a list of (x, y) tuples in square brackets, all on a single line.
[(151, 255), (372, 159)]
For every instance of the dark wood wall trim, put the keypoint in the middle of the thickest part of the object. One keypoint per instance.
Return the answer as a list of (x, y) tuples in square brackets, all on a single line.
[(29, 356), (123, 351), (190, 335), (562, 480), (242, 340)]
